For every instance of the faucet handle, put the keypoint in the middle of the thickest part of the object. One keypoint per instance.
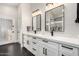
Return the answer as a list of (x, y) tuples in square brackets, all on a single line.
[(52, 32), (35, 31)]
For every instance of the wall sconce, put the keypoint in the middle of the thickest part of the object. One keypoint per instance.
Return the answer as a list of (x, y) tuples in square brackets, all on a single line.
[(52, 5), (36, 12), (49, 6)]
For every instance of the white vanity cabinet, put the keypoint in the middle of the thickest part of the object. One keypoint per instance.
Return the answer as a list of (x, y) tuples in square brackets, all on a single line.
[(44, 47), (47, 48)]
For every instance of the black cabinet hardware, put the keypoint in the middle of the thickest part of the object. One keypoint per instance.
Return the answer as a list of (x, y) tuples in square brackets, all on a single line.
[(33, 42), (67, 47), (45, 41), (34, 49)]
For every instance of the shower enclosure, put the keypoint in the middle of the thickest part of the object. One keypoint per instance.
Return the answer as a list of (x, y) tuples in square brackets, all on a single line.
[(5, 29)]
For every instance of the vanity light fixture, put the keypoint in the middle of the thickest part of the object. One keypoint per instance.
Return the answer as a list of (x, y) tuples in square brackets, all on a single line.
[(36, 12), (52, 5), (48, 4)]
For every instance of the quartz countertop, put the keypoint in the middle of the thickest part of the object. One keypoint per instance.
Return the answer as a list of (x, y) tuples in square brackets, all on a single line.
[(58, 39)]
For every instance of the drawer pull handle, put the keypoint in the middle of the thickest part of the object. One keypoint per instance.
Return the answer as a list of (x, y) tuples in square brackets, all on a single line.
[(67, 47), (28, 42), (33, 42), (34, 37), (34, 49), (45, 41), (43, 50)]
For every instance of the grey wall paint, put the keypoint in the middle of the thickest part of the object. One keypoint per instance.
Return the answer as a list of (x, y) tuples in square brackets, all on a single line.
[(71, 28)]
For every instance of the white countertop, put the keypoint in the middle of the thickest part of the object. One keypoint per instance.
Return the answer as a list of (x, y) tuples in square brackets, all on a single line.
[(63, 40)]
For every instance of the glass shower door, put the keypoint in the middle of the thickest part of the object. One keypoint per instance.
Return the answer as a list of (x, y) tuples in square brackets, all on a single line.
[(5, 29)]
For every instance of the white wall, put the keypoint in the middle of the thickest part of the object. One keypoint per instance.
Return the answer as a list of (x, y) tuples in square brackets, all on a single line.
[(71, 28), (9, 12), (25, 18), (19, 18), (19, 22)]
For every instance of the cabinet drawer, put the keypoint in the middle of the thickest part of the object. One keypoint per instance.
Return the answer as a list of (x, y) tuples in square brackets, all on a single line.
[(34, 43), (35, 50), (36, 39), (68, 50), (52, 44)]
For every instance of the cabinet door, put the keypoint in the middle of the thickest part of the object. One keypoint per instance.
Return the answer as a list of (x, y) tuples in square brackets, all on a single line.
[(27, 43), (41, 49), (47, 48), (50, 50)]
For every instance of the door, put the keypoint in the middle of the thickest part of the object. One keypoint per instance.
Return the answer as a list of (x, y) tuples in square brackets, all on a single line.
[(5, 30)]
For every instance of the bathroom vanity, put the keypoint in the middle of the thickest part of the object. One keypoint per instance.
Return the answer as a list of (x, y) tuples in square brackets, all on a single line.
[(50, 45), (41, 45)]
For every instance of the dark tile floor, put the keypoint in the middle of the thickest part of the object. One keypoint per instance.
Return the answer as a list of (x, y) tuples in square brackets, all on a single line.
[(14, 49)]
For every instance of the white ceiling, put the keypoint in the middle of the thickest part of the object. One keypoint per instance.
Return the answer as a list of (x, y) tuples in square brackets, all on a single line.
[(37, 6), (10, 4)]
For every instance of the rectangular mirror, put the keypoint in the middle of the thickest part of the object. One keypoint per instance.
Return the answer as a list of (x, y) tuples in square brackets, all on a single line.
[(54, 19), (36, 22)]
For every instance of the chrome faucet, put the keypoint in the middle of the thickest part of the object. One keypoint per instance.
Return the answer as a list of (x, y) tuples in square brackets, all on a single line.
[(52, 32), (35, 31)]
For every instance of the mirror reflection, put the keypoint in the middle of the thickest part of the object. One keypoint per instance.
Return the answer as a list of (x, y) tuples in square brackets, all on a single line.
[(36, 22), (54, 19)]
